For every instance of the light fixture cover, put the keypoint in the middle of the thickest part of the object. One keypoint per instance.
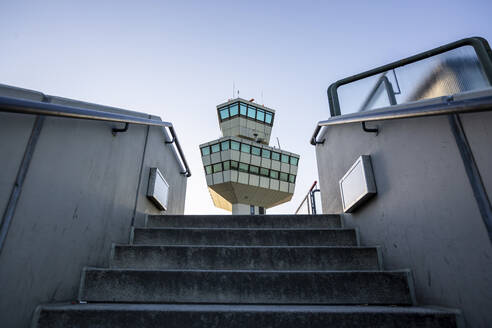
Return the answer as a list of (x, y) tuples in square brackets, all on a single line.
[(357, 185), (158, 190)]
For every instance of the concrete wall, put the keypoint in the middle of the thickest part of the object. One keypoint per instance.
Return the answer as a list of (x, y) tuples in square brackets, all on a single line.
[(79, 196), (425, 216)]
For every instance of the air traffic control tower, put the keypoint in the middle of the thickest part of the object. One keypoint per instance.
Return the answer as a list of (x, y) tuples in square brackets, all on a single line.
[(245, 175)]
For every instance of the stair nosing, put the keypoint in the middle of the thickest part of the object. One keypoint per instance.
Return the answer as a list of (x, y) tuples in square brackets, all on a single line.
[(246, 229), (244, 246), (406, 271)]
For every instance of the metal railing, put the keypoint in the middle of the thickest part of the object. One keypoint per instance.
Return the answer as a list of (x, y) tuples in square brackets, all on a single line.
[(22, 106), (309, 200), (448, 105)]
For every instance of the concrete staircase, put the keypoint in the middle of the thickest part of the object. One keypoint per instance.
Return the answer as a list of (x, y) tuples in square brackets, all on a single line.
[(244, 271)]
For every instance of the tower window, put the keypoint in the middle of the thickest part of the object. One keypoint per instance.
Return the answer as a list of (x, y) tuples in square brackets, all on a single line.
[(215, 148), (243, 167), (242, 109), (254, 169), (217, 167), (224, 113), (235, 145), (205, 151), (245, 148), (233, 110), (285, 158), (251, 112), (255, 151), (224, 145), (294, 161)]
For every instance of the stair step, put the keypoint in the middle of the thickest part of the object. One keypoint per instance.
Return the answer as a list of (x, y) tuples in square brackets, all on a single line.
[(246, 287), (242, 316), (243, 237), (245, 257), (244, 221)]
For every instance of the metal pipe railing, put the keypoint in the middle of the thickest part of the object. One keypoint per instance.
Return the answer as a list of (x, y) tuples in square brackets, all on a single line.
[(309, 201), (22, 106), (447, 106)]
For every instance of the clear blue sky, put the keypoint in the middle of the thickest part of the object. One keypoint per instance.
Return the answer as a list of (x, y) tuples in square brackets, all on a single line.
[(179, 59)]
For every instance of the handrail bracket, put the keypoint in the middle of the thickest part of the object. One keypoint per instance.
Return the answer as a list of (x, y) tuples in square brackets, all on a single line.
[(116, 130), (370, 130)]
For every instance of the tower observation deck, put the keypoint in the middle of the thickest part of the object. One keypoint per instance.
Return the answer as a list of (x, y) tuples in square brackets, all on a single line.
[(244, 175)]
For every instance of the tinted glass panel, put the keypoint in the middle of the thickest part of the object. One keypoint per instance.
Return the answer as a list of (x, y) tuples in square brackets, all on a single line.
[(294, 160), (225, 145), (243, 167), (234, 165), (233, 109), (265, 153), (217, 167), (264, 172), (215, 148), (454, 71), (292, 178), (245, 148), (235, 145), (242, 109), (268, 118), (285, 158), (226, 165), (205, 151), (254, 169), (275, 156), (255, 151), (251, 112), (208, 169), (224, 113), (284, 176), (260, 116), (273, 174)]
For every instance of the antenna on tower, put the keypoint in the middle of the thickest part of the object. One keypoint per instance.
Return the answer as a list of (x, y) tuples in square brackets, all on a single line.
[(278, 142), (233, 89), (238, 93)]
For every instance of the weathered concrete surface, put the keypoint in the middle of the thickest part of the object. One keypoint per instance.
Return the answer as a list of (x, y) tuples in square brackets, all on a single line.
[(245, 221), (243, 316), (245, 287), (245, 257), (244, 236), (425, 215), (78, 198)]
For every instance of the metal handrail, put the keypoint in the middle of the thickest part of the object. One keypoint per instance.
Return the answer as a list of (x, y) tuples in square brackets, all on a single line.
[(307, 197), (481, 46), (22, 106), (447, 106)]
